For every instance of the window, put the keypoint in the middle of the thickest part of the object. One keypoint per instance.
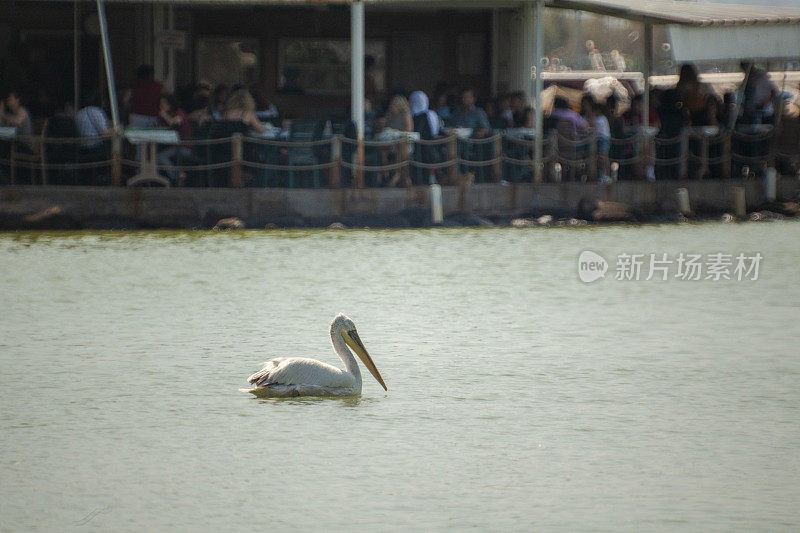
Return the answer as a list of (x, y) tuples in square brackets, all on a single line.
[(227, 60), (322, 66)]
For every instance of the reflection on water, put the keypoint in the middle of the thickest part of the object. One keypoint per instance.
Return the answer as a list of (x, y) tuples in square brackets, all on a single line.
[(521, 398)]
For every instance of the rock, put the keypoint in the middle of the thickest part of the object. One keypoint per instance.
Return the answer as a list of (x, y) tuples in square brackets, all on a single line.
[(602, 211), (765, 216), (522, 223), (271, 225), (337, 225), (229, 224), (727, 217), (544, 220)]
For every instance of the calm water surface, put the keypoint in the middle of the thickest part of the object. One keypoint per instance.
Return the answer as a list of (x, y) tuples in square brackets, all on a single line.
[(519, 397)]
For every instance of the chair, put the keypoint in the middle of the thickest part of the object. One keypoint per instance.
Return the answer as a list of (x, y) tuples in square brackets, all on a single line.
[(303, 131), (575, 152), (221, 153), (426, 153)]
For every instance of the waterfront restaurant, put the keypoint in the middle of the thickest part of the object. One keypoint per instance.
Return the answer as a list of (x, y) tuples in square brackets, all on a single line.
[(304, 56)]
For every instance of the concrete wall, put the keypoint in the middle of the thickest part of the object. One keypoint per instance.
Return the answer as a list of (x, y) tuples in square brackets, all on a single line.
[(189, 208)]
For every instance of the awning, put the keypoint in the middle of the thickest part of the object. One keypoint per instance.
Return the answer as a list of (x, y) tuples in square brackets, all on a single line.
[(683, 13), (709, 31)]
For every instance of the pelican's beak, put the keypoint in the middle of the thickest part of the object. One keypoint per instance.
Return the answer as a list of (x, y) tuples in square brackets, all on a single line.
[(354, 342)]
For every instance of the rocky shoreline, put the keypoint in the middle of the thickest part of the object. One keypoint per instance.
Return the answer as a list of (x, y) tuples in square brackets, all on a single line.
[(24, 217)]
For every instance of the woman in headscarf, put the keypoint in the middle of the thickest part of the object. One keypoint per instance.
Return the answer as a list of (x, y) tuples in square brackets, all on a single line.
[(419, 110)]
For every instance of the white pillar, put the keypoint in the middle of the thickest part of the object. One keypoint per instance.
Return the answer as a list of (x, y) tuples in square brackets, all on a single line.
[(357, 66), (112, 89), (538, 86)]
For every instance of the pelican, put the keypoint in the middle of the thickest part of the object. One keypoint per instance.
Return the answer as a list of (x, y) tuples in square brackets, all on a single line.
[(298, 376)]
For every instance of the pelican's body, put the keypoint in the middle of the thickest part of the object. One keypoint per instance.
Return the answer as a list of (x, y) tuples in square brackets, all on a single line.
[(299, 376)]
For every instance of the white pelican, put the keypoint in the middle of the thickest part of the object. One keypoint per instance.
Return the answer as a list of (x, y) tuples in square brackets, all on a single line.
[(298, 376)]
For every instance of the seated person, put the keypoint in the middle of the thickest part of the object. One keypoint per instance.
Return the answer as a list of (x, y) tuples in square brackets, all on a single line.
[(399, 115), (241, 107), (574, 124), (202, 114), (174, 117), (92, 122), (14, 115), (426, 122), (470, 116)]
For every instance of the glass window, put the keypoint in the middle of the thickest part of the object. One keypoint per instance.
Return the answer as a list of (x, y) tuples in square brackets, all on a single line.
[(227, 60), (322, 66)]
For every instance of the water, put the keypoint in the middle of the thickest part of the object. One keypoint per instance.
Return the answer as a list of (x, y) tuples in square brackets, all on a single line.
[(519, 397)]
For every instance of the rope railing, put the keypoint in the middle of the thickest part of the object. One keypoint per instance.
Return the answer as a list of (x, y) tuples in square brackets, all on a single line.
[(695, 153)]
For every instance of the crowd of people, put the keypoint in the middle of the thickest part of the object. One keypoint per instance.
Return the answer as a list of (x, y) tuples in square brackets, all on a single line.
[(690, 103)]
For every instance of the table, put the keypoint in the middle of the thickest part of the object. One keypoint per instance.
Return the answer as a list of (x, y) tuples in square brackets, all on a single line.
[(7, 133), (148, 163)]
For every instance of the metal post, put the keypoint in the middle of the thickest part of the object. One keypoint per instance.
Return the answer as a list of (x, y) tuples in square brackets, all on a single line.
[(76, 54), (538, 51), (357, 81), (648, 68), (495, 49), (112, 90)]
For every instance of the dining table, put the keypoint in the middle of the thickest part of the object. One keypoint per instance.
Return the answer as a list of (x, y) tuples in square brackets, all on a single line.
[(148, 139)]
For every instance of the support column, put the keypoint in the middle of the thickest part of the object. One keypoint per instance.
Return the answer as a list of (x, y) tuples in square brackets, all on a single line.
[(76, 55), (112, 89), (164, 56), (538, 87), (495, 49), (648, 70), (357, 79)]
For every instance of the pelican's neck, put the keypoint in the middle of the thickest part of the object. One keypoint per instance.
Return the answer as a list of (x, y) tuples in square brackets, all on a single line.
[(346, 356)]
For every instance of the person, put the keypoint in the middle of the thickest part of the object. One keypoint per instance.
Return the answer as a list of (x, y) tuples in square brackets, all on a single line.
[(426, 122), (92, 122), (759, 94), (603, 130), (399, 115), (444, 106), (470, 116), (218, 100), (145, 94), (696, 97), (504, 109), (242, 108), (567, 118), (496, 119), (15, 115), (266, 111), (174, 117), (632, 117), (202, 114)]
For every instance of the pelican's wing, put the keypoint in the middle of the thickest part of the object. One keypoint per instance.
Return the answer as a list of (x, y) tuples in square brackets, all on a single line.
[(300, 371)]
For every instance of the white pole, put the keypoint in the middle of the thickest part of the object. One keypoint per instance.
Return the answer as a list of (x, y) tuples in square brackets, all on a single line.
[(112, 90), (437, 213), (357, 80), (538, 51), (357, 66)]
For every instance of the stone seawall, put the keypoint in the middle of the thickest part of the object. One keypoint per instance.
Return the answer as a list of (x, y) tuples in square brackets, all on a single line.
[(33, 207)]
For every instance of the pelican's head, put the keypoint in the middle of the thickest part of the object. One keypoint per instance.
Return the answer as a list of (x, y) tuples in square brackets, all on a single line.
[(345, 327)]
